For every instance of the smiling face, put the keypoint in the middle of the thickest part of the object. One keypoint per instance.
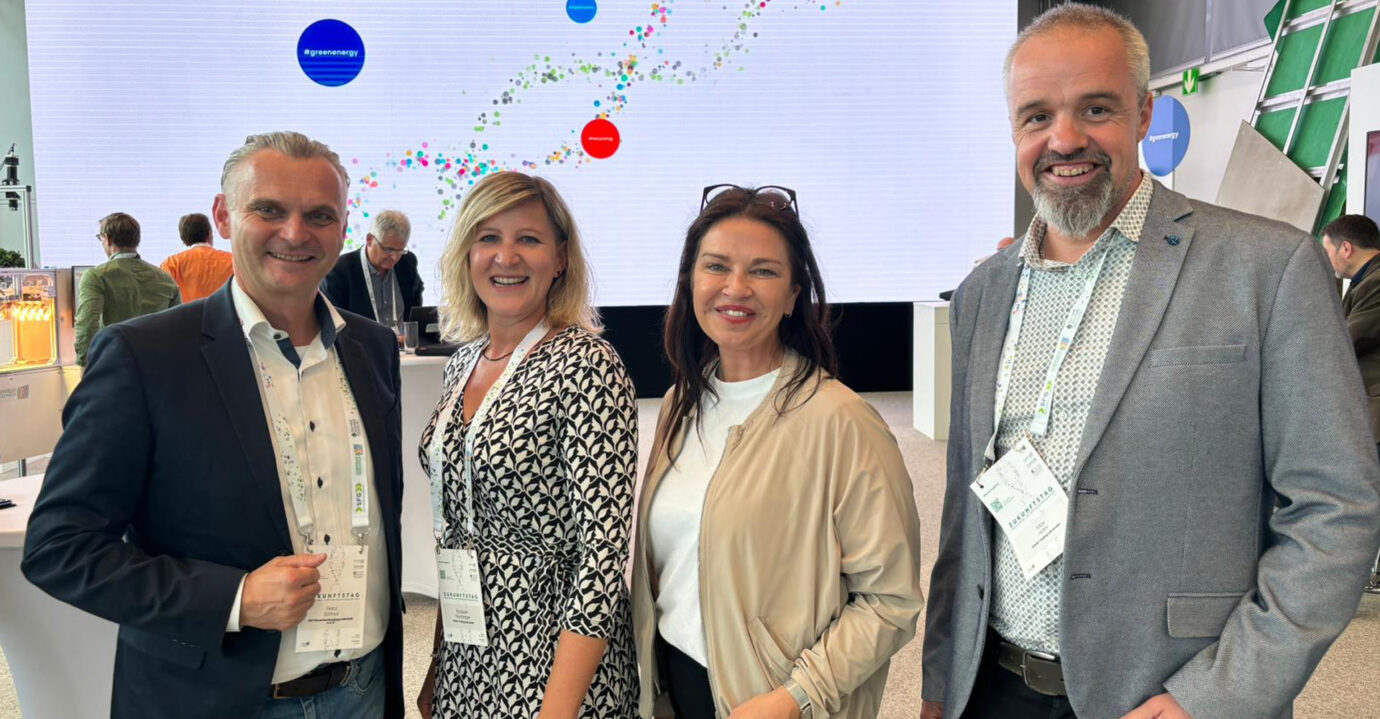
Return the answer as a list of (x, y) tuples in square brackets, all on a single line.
[(285, 219), (516, 256), (742, 287), (1076, 121)]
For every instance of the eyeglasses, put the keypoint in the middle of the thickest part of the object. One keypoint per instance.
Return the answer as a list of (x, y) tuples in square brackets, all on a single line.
[(776, 196), (390, 251)]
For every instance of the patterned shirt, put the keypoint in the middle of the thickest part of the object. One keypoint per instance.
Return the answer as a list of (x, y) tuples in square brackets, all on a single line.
[(305, 387), (1026, 612)]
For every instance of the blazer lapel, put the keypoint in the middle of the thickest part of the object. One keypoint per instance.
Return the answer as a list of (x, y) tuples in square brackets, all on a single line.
[(989, 334), (1164, 243), (371, 410), (227, 359)]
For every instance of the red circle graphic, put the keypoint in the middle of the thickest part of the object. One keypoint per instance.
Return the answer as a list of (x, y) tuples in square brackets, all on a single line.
[(600, 139)]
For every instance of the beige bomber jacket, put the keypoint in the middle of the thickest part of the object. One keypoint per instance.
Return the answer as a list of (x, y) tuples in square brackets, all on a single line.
[(809, 557)]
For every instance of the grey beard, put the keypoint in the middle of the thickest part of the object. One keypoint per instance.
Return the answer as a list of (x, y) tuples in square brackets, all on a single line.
[(1075, 212)]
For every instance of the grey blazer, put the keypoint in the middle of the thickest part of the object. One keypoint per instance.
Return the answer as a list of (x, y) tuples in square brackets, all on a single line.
[(1230, 389)]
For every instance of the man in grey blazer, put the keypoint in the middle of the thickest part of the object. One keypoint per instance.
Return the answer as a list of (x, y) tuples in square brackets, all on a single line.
[(1178, 375)]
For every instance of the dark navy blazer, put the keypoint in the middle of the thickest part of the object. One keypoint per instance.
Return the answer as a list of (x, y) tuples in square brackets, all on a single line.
[(163, 492)]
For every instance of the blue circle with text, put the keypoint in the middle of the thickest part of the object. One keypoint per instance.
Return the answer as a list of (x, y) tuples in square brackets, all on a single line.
[(1166, 143), (330, 52), (581, 11)]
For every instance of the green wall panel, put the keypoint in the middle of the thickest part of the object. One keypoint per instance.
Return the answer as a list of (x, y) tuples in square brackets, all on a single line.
[(1313, 138), (1298, 8), (1343, 49), (1335, 204), (1275, 125), (1295, 55), (1339, 57), (1303, 7)]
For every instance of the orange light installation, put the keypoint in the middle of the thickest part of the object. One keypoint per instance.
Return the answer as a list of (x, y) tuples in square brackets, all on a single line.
[(33, 331)]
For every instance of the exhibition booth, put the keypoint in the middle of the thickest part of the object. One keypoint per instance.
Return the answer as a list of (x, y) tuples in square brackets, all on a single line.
[(630, 113)]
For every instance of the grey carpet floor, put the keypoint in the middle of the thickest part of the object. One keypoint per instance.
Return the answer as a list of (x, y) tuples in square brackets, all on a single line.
[(1345, 686)]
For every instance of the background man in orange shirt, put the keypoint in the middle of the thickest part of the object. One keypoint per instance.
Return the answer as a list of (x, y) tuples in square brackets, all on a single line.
[(200, 269)]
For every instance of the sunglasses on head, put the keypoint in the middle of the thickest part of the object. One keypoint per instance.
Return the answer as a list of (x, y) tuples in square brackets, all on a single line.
[(776, 196)]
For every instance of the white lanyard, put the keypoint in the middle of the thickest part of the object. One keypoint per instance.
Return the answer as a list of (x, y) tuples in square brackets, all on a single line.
[(443, 421), (292, 467), (1039, 424), (369, 285)]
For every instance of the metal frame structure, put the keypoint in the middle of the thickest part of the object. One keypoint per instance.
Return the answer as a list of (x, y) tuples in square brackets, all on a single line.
[(1311, 93), (26, 193)]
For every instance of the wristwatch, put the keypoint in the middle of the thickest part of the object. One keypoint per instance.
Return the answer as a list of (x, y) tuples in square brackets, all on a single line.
[(801, 698)]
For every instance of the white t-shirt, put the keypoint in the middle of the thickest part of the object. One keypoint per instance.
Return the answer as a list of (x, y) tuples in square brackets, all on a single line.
[(674, 521)]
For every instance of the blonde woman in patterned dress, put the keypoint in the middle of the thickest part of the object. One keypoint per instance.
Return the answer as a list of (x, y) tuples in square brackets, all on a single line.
[(542, 411)]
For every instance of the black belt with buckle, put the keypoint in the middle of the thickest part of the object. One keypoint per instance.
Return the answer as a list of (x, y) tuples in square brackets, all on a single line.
[(326, 676), (1041, 671)]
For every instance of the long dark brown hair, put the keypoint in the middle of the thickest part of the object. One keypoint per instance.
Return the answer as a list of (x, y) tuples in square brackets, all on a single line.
[(808, 329)]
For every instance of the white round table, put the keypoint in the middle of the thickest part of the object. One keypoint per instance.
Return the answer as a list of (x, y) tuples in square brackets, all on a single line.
[(62, 658)]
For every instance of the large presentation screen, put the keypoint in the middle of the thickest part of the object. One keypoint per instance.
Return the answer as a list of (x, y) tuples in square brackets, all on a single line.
[(886, 116)]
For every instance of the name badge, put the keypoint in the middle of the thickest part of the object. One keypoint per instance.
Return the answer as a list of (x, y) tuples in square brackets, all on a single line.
[(462, 598), (336, 620), (1027, 501)]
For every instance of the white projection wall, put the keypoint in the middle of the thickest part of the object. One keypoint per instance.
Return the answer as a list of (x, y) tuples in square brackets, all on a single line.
[(886, 116)]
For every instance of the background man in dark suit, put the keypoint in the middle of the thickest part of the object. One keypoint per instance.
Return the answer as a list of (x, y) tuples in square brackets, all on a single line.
[(226, 465), (380, 281)]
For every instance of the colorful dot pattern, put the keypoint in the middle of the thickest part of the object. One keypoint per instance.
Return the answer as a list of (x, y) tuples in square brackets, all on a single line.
[(616, 72)]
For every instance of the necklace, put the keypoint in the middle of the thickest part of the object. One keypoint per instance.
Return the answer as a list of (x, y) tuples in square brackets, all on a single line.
[(500, 357)]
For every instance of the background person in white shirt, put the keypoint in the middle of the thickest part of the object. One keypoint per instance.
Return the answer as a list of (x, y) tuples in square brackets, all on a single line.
[(235, 443)]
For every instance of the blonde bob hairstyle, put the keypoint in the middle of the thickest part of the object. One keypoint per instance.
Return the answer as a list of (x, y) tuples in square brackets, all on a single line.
[(462, 313)]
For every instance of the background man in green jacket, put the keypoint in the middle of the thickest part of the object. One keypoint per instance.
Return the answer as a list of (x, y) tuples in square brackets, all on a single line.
[(123, 288)]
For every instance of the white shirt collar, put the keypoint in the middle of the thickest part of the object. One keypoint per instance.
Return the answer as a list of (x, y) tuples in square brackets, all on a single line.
[(252, 319)]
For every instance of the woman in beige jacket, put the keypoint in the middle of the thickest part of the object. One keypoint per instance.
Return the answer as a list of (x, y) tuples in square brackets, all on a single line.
[(777, 564)]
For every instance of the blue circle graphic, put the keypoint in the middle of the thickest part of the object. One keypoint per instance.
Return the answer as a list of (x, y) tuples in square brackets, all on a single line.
[(581, 11), (330, 52), (1166, 143)]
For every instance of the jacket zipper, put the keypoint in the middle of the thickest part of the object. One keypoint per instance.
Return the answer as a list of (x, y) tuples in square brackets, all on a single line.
[(734, 434)]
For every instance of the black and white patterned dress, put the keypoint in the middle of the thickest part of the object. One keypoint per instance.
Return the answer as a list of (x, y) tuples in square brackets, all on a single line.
[(553, 489)]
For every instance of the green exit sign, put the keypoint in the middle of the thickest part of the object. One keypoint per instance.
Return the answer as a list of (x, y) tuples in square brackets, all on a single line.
[(1191, 81)]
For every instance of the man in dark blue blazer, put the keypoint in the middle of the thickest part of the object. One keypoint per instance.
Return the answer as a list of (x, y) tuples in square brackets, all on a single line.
[(172, 509)]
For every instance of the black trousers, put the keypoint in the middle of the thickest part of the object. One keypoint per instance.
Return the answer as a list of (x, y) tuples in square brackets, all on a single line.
[(687, 682), (1000, 694)]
